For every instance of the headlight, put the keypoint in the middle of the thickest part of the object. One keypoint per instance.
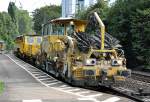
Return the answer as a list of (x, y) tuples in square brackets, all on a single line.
[(116, 62), (90, 62)]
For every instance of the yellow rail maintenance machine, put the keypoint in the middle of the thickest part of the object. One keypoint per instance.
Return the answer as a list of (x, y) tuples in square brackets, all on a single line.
[(64, 54)]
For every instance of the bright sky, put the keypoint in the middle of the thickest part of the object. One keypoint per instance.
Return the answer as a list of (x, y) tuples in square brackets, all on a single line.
[(29, 5)]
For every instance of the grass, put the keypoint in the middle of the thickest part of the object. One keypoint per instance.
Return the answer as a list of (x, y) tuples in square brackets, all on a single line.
[(1, 87)]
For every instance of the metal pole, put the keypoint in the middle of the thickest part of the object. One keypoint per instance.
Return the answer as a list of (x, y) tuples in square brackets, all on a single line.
[(102, 26)]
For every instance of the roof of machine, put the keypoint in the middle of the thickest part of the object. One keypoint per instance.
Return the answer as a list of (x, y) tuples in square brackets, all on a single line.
[(67, 20), (27, 35)]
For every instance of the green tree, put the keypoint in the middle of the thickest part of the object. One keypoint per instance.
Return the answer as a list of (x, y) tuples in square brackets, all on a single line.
[(101, 7), (24, 22), (12, 10), (21, 19), (42, 15), (140, 29), (12, 22), (7, 29), (129, 20)]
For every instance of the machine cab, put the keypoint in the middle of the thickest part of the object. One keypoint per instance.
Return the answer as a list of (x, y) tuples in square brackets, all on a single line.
[(63, 26)]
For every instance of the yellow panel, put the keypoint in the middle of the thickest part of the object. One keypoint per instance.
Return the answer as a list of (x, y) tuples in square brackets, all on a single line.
[(80, 28), (28, 45)]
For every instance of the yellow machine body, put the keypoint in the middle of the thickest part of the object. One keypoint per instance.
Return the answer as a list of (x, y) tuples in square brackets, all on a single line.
[(60, 48), (28, 45), (57, 52)]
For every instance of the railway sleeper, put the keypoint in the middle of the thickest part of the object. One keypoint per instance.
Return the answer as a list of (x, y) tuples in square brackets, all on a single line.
[(141, 93)]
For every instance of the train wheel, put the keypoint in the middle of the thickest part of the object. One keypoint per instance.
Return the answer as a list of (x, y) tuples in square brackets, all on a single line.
[(102, 79), (37, 62), (66, 73), (46, 66), (58, 75)]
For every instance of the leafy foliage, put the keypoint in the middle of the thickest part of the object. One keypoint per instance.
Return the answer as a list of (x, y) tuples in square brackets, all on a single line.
[(141, 35), (7, 29), (12, 9), (101, 7), (13, 23), (1, 87), (42, 15), (24, 22), (129, 20)]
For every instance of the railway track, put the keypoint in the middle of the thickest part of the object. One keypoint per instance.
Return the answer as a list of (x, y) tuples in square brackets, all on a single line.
[(134, 88), (141, 76)]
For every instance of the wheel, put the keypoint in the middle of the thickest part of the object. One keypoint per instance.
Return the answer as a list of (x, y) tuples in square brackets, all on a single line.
[(46, 66)]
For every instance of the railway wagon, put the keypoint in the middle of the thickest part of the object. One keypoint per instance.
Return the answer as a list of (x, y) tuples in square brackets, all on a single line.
[(61, 55), (2, 45), (28, 46)]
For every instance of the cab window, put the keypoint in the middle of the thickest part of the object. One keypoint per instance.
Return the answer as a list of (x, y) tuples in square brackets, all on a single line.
[(53, 29), (58, 29), (39, 40), (47, 29), (30, 40)]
